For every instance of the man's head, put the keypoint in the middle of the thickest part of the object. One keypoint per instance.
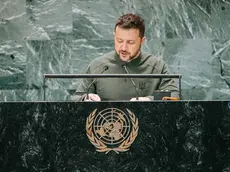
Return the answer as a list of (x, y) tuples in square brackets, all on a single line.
[(129, 36)]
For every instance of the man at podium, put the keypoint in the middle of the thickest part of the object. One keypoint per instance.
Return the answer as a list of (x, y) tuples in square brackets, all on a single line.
[(126, 59)]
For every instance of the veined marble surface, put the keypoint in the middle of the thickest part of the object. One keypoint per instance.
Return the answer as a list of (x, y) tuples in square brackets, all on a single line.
[(63, 36), (187, 136)]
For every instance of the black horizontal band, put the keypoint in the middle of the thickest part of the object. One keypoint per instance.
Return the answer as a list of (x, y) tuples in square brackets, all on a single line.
[(112, 75)]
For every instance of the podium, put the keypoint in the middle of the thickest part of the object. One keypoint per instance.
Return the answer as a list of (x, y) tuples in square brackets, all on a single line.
[(170, 136)]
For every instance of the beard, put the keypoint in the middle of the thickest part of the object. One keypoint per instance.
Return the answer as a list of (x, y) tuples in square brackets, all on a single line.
[(127, 56)]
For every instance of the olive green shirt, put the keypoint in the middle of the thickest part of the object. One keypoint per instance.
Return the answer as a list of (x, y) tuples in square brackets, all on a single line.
[(123, 88)]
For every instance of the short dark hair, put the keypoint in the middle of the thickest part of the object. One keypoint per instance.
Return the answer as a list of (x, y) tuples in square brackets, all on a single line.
[(129, 21)]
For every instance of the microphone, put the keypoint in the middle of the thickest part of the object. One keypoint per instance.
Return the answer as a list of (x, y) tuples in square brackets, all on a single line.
[(125, 68), (89, 86)]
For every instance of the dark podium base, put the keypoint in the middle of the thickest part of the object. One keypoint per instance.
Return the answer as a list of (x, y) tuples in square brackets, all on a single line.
[(172, 137)]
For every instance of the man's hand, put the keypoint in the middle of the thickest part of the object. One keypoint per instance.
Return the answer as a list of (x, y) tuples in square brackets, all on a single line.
[(140, 99), (92, 97)]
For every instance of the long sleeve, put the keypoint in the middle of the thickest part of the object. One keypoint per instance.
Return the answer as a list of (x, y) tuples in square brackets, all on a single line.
[(168, 83), (82, 89)]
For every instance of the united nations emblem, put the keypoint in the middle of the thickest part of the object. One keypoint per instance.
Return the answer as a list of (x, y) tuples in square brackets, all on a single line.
[(112, 130)]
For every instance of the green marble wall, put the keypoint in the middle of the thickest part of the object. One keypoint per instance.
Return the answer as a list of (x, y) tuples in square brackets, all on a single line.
[(63, 36)]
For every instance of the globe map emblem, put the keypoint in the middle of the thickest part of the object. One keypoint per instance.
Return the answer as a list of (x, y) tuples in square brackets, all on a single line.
[(112, 126), (112, 129)]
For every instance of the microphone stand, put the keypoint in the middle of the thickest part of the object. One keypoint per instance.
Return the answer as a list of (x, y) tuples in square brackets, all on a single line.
[(137, 95), (87, 94)]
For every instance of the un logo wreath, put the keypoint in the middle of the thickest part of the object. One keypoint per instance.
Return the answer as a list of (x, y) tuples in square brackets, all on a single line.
[(101, 146)]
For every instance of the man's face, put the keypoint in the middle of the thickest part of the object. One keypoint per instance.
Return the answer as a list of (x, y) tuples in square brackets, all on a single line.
[(127, 43)]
